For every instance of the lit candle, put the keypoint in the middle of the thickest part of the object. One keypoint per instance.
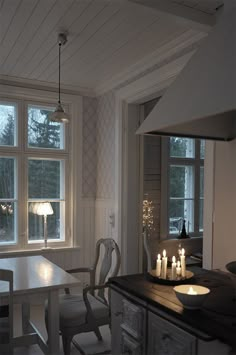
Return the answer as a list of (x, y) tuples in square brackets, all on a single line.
[(191, 291), (178, 269), (182, 262), (164, 265), (173, 268), (158, 265)]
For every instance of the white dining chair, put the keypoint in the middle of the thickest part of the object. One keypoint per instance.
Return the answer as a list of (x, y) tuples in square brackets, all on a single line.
[(86, 312)]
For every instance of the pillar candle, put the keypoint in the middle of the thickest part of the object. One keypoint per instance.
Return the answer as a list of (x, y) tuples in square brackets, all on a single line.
[(158, 265), (164, 265), (182, 262), (173, 268), (178, 269)]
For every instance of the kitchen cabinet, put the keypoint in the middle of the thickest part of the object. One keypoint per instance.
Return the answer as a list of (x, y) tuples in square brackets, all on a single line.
[(146, 322)]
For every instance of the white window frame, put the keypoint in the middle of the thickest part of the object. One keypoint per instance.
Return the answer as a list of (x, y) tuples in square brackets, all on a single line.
[(166, 161), (23, 97)]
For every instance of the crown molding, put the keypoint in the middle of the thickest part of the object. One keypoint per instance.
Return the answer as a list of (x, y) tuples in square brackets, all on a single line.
[(186, 42), (45, 86)]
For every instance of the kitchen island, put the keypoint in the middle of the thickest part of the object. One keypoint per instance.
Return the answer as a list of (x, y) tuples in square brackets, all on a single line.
[(147, 318)]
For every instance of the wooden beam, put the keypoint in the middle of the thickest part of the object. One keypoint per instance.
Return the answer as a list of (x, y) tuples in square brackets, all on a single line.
[(193, 17)]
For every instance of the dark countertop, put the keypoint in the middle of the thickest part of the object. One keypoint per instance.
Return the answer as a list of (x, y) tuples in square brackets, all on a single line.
[(216, 318)]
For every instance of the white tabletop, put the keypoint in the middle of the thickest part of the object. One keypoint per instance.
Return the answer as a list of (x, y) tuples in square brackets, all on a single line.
[(33, 274)]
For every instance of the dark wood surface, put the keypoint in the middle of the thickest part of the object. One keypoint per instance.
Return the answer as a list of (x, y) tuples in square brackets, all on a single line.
[(216, 318)]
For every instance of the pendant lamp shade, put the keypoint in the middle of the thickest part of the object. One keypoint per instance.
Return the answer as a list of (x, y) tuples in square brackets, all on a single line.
[(59, 115)]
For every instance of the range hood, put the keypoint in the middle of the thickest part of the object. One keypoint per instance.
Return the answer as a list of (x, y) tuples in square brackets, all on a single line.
[(202, 100)]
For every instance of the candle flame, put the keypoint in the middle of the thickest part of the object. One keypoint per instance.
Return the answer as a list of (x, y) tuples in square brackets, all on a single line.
[(164, 253), (159, 257), (178, 263), (191, 291), (173, 259), (182, 251)]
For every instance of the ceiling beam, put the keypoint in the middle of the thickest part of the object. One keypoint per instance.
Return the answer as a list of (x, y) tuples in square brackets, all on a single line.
[(195, 18)]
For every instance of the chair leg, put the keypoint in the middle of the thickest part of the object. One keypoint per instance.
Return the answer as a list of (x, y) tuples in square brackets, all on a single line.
[(98, 334), (66, 341)]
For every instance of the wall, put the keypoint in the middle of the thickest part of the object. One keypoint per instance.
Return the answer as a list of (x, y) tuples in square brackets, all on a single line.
[(224, 232)]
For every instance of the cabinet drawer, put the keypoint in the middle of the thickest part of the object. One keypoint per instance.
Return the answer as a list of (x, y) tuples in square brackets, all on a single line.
[(165, 338), (133, 319), (130, 346)]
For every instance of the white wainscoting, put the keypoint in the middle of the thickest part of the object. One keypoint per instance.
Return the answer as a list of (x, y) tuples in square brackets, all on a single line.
[(104, 218)]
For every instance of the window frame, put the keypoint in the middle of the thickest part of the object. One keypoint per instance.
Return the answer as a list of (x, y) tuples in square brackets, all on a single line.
[(166, 161), (21, 152)]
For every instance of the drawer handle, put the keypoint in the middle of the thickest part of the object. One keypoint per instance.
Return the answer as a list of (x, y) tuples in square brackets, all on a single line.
[(118, 314)]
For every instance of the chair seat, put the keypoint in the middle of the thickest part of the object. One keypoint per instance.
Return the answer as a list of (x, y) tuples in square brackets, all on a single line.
[(73, 310)]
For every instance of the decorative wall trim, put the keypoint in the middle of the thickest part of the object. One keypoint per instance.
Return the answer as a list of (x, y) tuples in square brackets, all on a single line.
[(45, 86), (187, 42)]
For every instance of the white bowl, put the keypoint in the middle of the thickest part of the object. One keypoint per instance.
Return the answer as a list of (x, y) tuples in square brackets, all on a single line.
[(191, 296)]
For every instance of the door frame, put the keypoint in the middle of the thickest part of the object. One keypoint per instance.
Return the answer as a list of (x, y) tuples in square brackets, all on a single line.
[(137, 92)]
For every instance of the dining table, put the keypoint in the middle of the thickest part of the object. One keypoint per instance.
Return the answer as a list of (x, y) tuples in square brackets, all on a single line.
[(35, 276)]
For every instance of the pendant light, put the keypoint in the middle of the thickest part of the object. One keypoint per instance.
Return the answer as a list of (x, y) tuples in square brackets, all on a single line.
[(59, 115)]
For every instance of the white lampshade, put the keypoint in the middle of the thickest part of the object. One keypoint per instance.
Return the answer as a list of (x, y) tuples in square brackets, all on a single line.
[(43, 209)]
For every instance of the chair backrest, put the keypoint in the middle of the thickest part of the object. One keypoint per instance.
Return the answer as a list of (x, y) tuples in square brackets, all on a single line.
[(6, 315), (110, 263)]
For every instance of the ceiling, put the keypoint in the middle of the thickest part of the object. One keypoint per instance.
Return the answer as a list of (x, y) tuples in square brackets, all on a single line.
[(105, 37)]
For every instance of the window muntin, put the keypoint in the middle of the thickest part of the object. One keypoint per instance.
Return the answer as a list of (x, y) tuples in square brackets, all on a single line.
[(185, 185), (42, 133), (8, 203), (8, 124)]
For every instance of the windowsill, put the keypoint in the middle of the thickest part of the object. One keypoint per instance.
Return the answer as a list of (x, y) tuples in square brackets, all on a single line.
[(12, 253)]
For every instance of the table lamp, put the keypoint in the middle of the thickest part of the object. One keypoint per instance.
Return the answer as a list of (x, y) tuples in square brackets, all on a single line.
[(44, 209)]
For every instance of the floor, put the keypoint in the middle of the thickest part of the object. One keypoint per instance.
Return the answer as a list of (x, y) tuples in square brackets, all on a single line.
[(87, 341)]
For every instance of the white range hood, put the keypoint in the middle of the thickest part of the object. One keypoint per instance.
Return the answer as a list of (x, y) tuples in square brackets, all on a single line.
[(202, 100)]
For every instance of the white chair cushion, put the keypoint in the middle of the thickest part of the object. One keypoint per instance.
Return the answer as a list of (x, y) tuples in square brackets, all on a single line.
[(73, 310)]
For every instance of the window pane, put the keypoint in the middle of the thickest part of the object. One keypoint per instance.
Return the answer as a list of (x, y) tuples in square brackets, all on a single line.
[(8, 124), (180, 209), (182, 147), (7, 178), (44, 178), (7, 221), (181, 181), (42, 133), (55, 226), (202, 149)]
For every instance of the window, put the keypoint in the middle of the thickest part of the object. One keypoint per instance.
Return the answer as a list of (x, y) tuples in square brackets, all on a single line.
[(183, 180), (34, 157)]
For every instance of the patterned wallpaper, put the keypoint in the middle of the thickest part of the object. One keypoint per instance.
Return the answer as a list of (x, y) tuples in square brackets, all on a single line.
[(106, 146), (99, 146), (89, 156)]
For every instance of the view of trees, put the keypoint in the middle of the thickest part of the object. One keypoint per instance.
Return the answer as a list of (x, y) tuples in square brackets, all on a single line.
[(44, 175)]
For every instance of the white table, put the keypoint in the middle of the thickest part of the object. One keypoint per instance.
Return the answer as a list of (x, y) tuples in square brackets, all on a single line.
[(35, 275)]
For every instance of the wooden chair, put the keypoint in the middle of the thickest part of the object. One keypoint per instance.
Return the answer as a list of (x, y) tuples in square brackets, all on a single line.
[(88, 311), (6, 316)]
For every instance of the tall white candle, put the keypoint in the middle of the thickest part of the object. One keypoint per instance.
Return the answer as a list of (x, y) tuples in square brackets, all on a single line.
[(158, 265), (182, 262), (178, 268), (164, 265), (173, 268)]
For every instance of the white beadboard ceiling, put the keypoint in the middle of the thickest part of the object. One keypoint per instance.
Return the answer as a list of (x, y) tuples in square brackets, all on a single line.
[(105, 38)]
